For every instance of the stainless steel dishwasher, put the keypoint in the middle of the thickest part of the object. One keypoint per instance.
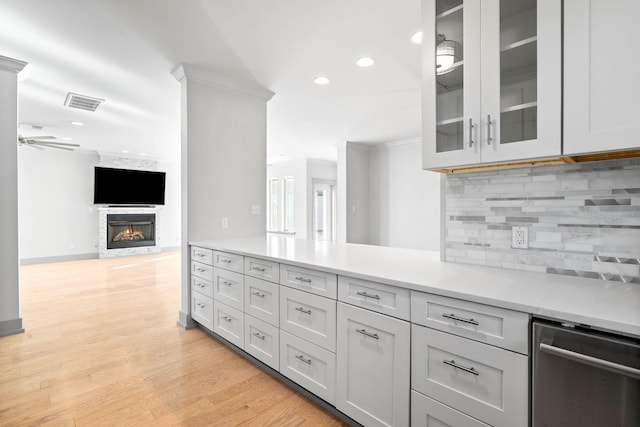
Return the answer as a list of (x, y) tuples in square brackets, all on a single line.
[(584, 378)]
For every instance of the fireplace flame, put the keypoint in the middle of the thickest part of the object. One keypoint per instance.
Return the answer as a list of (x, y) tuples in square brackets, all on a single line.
[(128, 235)]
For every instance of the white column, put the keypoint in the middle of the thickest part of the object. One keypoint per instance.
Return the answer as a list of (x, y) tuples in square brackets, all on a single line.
[(224, 162), (10, 313)]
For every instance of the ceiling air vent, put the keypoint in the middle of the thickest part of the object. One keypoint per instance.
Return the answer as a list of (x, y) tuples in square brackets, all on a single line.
[(82, 102)]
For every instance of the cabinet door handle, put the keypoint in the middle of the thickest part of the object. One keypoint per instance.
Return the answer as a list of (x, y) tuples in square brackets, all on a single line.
[(301, 357), (366, 295), (260, 269), (302, 310), (303, 279), (460, 319), (369, 334), (462, 368), (257, 335), (228, 319), (470, 133), (489, 123), (258, 294)]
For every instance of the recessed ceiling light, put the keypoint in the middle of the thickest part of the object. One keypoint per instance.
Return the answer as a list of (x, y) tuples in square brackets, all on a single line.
[(77, 123), (143, 154), (125, 151), (365, 62), (321, 80), (417, 38)]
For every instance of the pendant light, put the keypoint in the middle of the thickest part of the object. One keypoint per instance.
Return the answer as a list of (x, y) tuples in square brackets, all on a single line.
[(447, 55)]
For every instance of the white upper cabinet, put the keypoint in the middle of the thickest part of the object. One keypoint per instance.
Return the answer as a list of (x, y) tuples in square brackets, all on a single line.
[(601, 75), (491, 81)]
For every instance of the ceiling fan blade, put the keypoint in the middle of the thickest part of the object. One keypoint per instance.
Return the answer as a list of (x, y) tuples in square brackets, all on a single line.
[(54, 146), (39, 137), (68, 144)]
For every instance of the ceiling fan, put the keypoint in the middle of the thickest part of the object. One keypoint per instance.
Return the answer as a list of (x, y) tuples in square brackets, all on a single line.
[(41, 142)]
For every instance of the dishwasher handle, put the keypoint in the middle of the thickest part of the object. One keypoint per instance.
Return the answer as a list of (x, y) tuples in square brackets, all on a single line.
[(617, 368)]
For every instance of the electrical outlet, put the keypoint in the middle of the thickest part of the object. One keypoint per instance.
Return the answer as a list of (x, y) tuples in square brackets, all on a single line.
[(519, 237), (225, 223), (255, 209)]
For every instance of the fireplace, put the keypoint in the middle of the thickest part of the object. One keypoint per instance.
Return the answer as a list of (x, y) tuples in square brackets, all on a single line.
[(130, 230)]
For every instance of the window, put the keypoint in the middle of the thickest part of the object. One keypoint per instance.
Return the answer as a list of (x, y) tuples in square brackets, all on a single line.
[(281, 204)]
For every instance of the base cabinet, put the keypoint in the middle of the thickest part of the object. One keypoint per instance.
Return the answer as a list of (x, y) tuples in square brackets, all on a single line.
[(426, 412), (373, 370)]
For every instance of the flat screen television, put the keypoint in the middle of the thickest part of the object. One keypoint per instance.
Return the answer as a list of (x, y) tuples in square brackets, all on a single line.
[(128, 187)]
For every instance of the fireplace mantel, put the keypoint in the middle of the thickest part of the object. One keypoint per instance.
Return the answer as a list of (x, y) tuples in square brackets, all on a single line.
[(104, 252)]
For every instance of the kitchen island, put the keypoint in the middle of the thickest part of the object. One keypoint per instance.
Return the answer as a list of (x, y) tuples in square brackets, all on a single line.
[(392, 336)]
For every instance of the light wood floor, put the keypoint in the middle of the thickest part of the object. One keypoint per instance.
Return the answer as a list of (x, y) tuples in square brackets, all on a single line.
[(102, 347)]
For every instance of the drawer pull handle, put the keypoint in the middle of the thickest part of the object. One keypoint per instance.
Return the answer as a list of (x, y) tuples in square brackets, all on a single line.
[(258, 294), (257, 335), (228, 319), (201, 270), (369, 334), (302, 310), (303, 279), (301, 357), (366, 295), (200, 255), (226, 261), (260, 269), (460, 319), (462, 368), (227, 283)]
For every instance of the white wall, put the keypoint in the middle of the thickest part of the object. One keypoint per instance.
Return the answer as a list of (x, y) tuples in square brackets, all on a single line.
[(404, 199), (58, 220)]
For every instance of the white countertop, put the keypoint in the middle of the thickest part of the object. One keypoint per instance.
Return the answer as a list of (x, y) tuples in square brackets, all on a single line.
[(607, 305)]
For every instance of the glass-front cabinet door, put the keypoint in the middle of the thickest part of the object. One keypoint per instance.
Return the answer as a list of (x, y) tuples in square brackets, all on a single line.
[(491, 81), (451, 82)]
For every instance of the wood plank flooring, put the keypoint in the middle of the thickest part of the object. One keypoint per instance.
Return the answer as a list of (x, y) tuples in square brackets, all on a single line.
[(102, 348)]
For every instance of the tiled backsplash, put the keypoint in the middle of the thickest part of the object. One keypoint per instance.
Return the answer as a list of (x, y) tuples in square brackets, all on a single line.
[(582, 219)]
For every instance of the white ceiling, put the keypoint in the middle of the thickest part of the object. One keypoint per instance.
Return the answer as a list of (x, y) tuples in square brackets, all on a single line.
[(123, 51)]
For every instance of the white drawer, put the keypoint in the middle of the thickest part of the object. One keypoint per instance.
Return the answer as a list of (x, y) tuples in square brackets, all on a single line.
[(426, 412), (228, 261), (262, 341), (314, 281), (202, 255), (205, 287), (492, 325), (202, 271), (308, 316), (202, 310), (262, 269), (228, 323), (385, 299), (228, 287), (313, 367), (262, 299), (485, 382)]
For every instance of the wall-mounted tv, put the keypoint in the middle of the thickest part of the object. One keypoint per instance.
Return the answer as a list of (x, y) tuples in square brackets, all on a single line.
[(128, 187)]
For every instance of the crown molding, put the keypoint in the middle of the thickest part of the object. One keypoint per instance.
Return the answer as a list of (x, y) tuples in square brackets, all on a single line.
[(191, 72), (407, 141), (10, 64)]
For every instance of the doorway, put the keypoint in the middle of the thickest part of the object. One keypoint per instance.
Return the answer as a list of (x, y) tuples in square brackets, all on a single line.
[(324, 210)]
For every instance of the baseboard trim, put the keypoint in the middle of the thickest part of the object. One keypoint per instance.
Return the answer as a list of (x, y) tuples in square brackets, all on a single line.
[(80, 257), (61, 258), (11, 327)]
